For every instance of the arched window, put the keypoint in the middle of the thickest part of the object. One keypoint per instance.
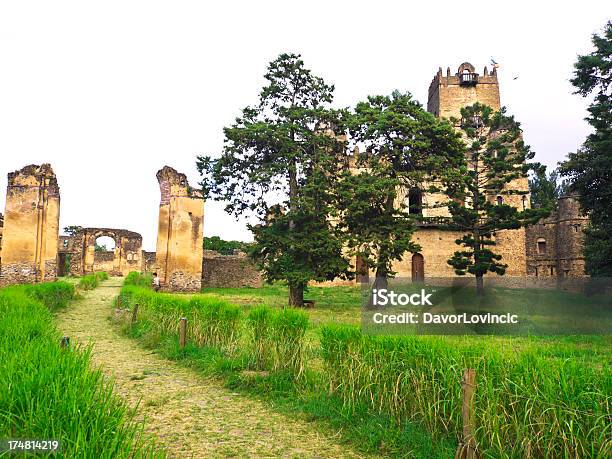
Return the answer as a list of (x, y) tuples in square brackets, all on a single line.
[(500, 200), (541, 246), (524, 201), (415, 201)]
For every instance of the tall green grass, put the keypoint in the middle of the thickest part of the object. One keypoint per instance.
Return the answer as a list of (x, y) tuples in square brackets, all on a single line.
[(525, 405), (138, 279), (91, 281), (274, 337), (51, 392), (388, 393)]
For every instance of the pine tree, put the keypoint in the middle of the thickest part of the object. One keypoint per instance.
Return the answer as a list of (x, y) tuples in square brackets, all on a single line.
[(590, 168), (496, 156), (405, 148), (280, 160)]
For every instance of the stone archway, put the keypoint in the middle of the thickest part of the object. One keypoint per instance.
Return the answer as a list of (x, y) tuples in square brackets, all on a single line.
[(126, 256)]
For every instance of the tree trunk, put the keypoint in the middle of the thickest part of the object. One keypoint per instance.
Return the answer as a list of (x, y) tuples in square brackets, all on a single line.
[(296, 295), (479, 284), (380, 282)]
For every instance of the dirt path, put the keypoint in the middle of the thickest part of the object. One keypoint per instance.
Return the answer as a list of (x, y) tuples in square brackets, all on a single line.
[(191, 416)]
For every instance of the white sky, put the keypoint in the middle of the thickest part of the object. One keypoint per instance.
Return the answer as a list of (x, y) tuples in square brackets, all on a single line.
[(109, 92)]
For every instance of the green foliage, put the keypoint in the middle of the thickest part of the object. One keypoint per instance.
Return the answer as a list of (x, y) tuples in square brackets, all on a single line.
[(497, 156), (100, 247), (525, 404), (91, 281), (50, 392), (224, 247), (277, 338), (545, 190), (274, 337), (139, 279), (280, 162), (259, 329), (54, 295), (72, 230), (406, 147), (590, 168)]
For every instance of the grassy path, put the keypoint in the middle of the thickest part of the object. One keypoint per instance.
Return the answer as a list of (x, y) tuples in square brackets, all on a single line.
[(191, 416)]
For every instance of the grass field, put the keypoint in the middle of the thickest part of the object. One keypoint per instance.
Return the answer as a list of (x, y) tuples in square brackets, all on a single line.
[(51, 392), (392, 396)]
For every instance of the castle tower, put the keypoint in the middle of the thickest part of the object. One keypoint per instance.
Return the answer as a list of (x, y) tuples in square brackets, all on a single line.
[(448, 94), (31, 226), (180, 233), (570, 238)]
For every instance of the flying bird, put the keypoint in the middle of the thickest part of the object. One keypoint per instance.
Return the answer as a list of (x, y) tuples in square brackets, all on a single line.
[(494, 63)]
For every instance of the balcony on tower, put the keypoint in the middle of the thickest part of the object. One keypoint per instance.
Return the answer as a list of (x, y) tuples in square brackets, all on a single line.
[(467, 78)]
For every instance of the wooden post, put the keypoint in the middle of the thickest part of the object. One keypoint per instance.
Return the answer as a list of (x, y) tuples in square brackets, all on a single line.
[(65, 341), (467, 447), (182, 332), (135, 313)]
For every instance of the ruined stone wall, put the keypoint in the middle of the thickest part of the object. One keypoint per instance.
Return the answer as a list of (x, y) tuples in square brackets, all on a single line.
[(84, 259), (31, 226), (563, 236), (148, 262), (229, 271), (180, 233)]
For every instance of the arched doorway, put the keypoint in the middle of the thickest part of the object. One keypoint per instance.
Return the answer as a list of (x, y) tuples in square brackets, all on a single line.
[(418, 268)]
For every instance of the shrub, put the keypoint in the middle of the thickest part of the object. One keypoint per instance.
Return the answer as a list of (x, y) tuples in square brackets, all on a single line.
[(102, 275)]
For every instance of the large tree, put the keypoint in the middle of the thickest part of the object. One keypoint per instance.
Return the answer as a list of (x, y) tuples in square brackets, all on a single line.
[(280, 161), (406, 148), (590, 168), (497, 156), (545, 189)]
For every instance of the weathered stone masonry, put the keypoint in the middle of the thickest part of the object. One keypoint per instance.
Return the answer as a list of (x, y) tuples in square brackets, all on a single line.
[(180, 233), (235, 270), (126, 257), (31, 226)]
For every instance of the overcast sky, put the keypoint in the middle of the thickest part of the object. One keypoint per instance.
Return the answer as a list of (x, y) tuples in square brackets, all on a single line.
[(109, 92)]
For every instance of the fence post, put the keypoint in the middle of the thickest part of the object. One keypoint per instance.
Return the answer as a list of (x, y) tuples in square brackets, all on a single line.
[(65, 341), (467, 447), (182, 332), (135, 313)]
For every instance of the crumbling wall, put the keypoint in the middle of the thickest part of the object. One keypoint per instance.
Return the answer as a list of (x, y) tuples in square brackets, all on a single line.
[(31, 226), (180, 233), (229, 270), (148, 262), (126, 257)]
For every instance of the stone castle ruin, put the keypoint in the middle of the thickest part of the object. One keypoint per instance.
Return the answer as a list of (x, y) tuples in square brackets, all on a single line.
[(31, 249), (178, 256), (30, 226), (77, 254)]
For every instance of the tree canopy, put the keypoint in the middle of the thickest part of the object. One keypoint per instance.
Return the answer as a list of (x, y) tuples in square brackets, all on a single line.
[(279, 163), (589, 169)]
